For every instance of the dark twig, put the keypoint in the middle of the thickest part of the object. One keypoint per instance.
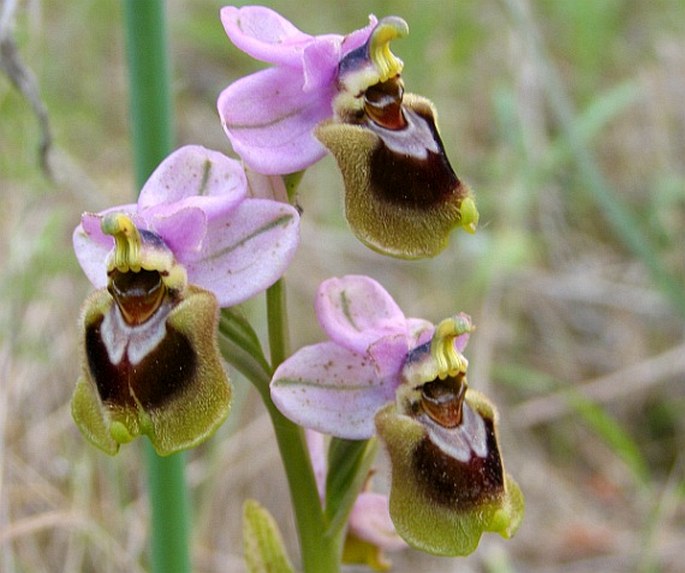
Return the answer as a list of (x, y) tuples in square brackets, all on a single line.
[(23, 80)]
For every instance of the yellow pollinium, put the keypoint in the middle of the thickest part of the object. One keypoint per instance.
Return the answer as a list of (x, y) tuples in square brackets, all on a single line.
[(127, 242), (134, 252), (449, 361), (387, 64)]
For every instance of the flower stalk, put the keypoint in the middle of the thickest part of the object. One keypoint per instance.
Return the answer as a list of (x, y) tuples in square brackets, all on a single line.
[(152, 135), (320, 553), (320, 545)]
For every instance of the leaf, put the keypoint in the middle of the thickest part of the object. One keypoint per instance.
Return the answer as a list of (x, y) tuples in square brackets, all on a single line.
[(262, 541), (237, 328), (349, 462), (603, 109)]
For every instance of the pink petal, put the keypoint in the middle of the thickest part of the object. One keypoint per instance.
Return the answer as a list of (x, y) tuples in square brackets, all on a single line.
[(320, 64), (370, 521), (267, 36), (359, 37), (269, 120), (321, 57), (193, 176), (246, 253), (389, 354), (461, 341), (355, 311), (332, 390), (264, 34), (181, 229), (91, 255), (420, 331)]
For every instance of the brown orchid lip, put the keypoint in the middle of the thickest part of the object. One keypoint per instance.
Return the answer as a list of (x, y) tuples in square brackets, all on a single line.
[(138, 295), (454, 483), (164, 372), (409, 167)]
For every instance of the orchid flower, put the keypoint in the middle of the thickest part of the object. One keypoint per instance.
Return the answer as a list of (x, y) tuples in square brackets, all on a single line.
[(163, 266), (402, 197), (406, 380)]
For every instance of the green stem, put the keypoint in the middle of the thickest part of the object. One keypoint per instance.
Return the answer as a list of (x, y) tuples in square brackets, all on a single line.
[(320, 553), (150, 81), (278, 323), (152, 136), (170, 512)]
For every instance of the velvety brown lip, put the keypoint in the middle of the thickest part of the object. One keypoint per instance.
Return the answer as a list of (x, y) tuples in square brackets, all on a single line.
[(456, 484), (165, 371), (416, 183)]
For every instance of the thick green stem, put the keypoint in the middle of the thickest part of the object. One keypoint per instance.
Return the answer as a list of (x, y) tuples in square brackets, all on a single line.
[(170, 512), (152, 136), (149, 80)]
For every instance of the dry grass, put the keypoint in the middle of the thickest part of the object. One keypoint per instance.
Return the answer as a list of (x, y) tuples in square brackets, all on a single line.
[(576, 342)]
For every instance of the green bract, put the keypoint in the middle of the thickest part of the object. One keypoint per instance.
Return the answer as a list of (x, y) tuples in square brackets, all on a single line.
[(262, 541)]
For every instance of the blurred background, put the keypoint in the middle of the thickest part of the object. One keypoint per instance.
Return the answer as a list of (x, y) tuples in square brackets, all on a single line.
[(566, 118)]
